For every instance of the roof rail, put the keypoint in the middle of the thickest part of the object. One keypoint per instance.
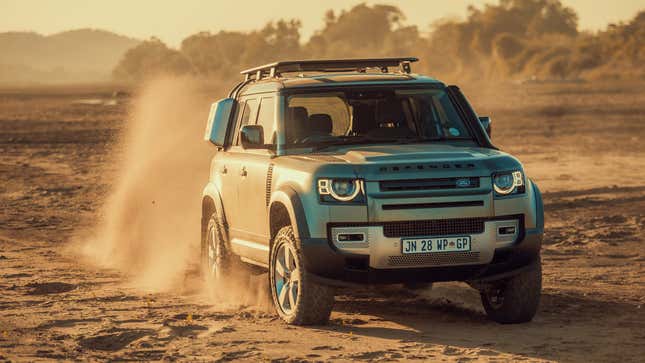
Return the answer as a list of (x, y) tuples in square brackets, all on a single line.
[(328, 65)]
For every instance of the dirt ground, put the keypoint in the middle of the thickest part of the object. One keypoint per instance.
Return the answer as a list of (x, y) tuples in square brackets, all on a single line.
[(582, 143)]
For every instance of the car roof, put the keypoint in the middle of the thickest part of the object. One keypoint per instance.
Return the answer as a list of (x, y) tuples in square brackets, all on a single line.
[(325, 80)]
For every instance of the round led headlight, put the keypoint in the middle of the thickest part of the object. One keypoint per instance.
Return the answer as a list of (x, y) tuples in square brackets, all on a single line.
[(507, 183), (343, 190), (343, 187)]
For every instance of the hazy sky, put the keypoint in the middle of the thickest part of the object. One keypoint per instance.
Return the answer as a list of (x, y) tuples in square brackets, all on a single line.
[(174, 20)]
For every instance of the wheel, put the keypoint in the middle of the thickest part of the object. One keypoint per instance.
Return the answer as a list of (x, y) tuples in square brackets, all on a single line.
[(297, 299), (215, 259), (514, 300)]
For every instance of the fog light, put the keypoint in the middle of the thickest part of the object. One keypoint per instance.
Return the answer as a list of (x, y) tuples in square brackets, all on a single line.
[(506, 230), (351, 237)]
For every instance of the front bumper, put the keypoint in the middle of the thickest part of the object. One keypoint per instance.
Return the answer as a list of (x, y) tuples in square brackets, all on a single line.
[(380, 259)]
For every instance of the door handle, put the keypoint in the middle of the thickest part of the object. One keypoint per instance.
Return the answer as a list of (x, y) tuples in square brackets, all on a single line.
[(243, 171), (223, 170)]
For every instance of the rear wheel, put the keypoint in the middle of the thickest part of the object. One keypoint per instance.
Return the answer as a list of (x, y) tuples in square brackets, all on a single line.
[(516, 299), (297, 299), (215, 259)]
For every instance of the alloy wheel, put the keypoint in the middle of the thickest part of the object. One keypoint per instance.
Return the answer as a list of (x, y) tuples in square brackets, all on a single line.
[(286, 278), (214, 253)]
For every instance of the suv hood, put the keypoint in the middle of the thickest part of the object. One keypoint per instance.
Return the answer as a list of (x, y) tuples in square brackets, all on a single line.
[(414, 153), (383, 162)]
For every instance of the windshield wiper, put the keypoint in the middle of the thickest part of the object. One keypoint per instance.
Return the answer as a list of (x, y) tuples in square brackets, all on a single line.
[(347, 140), (442, 138)]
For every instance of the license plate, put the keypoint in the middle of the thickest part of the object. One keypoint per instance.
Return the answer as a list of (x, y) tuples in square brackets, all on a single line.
[(435, 244)]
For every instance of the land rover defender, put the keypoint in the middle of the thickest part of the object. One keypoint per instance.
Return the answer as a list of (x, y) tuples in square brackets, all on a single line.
[(357, 171)]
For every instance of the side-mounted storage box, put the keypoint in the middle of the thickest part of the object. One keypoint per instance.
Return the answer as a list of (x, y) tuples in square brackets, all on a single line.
[(217, 123)]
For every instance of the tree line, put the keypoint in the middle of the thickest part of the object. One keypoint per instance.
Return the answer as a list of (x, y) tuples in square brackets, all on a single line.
[(513, 39)]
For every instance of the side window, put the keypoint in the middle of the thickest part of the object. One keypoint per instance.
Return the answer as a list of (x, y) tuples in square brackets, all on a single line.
[(236, 123), (248, 117), (450, 121), (266, 119)]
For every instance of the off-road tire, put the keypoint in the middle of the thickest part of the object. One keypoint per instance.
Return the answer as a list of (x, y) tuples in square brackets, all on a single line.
[(227, 259), (315, 301), (520, 296)]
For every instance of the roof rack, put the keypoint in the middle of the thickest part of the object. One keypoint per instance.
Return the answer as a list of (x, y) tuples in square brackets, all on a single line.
[(328, 65)]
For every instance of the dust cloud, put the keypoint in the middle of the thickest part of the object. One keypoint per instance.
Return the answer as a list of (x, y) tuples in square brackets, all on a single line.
[(149, 227)]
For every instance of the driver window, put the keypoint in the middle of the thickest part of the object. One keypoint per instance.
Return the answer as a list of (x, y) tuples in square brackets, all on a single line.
[(313, 117)]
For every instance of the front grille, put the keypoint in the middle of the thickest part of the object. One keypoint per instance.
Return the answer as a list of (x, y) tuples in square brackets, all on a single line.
[(434, 227), (473, 203), (434, 259), (424, 167), (428, 184)]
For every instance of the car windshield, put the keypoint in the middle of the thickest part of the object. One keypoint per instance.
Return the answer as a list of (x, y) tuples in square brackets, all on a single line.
[(325, 119)]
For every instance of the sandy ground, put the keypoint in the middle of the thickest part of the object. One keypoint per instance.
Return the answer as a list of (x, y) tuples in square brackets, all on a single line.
[(583, 144)]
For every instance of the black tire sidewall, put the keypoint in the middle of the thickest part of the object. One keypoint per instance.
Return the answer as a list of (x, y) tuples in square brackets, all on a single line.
[(204, 262), (521, 297), (223, 269)]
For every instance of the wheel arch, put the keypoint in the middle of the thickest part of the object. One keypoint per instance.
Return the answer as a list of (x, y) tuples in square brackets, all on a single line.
[(212, 202), (539, 207), (285, 208)]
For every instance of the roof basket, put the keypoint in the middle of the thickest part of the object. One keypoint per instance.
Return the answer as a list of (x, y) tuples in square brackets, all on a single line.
[(328, 65)]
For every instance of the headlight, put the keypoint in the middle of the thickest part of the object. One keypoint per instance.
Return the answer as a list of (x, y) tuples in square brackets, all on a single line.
[(343, 190), (508, 183)]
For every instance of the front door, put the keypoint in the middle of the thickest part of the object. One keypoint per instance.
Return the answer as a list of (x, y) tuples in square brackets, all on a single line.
[(250, 234), (254, 167)]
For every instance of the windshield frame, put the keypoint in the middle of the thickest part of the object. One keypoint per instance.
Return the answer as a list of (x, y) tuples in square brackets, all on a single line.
[(306, 148)]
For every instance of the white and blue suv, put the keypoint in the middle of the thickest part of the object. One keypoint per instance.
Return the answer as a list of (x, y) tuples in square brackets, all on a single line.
[(356, 171)]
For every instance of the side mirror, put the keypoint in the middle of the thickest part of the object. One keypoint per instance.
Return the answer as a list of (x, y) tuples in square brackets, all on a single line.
[(485, 121), (217, 122), (252, 137)]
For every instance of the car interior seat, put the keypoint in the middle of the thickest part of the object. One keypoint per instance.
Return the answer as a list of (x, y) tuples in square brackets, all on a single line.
[(320, 124), (391, 121), (297, 128)]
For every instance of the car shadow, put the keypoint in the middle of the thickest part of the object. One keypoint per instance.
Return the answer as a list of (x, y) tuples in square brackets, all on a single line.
[(567, 327)]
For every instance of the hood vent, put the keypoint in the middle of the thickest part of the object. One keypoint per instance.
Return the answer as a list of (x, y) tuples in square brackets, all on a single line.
[(426, 167)]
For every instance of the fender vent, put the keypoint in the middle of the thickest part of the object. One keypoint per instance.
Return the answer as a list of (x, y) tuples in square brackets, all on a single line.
[(268, 184)]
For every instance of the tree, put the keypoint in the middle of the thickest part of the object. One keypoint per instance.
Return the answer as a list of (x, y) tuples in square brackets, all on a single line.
[(151, 58), (512, 38), (360, 31)]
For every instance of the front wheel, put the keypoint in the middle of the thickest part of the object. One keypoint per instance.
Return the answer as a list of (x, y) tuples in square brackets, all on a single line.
[(297, 299), (514, 300)]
